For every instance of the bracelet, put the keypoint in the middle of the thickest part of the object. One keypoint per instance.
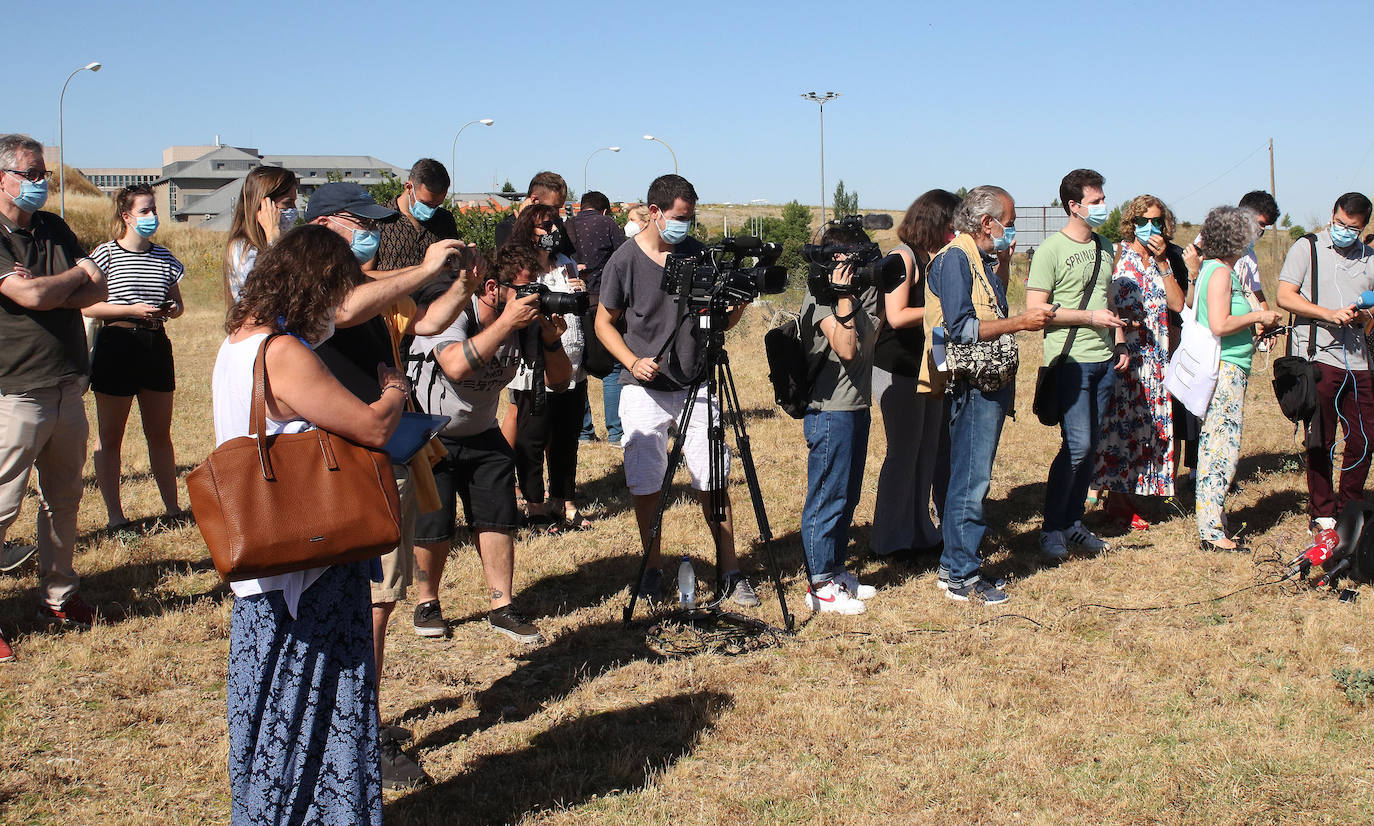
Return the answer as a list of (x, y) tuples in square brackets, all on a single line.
[(552, 348), (1092, 318), (396, 386), (844, 319), (633, 363)]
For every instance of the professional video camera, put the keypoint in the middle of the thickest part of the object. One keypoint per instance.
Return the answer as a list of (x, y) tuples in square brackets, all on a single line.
[(715, 278), (867, 265), (552, 302)]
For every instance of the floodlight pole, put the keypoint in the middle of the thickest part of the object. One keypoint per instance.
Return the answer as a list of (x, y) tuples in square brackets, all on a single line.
[(94, 66), (822, 100)]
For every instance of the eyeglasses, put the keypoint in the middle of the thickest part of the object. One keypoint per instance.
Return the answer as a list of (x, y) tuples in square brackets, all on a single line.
[(547, 226), (1338, 222), (32, 175), (1141, 221), (365, 223)]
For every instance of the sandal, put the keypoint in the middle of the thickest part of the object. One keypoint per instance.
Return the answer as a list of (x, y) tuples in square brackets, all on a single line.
[(577, 522), (543, 523)]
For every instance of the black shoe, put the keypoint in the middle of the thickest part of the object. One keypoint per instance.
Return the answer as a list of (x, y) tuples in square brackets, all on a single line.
[(1209, 545), (513, 624), (399, 770), (13, 555), (429, 619)]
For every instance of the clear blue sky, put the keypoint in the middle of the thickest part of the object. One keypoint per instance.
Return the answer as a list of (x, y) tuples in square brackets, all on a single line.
[(1160, 97)]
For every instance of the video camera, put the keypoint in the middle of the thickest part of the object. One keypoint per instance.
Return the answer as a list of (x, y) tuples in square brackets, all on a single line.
[(714, 277), (552, 302), (867, 264)]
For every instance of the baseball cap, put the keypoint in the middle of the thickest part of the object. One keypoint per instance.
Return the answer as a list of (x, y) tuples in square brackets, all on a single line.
[(341, 196)]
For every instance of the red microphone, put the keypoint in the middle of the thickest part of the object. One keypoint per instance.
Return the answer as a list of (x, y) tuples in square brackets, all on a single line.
[(1323, 546)]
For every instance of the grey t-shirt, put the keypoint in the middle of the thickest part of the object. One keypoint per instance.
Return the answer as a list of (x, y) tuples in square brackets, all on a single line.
[(632, 282), (1341, 276), (471, 402), (840, 385)]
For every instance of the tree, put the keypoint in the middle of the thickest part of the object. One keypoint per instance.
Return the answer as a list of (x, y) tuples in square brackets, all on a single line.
[(333, 176), (1055, 202), (1112, 229), (962, 192), (845, 202), (1287, 221), (388, 190), (507, 187), (478, 226)]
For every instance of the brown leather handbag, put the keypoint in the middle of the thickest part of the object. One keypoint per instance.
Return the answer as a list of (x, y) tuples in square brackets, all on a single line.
[(292, 501)]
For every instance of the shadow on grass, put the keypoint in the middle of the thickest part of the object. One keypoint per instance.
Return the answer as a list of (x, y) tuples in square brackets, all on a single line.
[(612, 751), (589, 584)]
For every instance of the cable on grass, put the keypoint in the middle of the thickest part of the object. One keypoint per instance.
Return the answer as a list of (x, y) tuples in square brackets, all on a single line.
[(685, 632)]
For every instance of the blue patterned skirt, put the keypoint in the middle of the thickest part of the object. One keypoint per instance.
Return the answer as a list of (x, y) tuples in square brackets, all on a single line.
[(302, 702)]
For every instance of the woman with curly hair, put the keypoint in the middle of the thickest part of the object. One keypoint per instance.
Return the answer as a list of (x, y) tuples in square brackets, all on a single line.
[(1221, 303), (1136, 453)]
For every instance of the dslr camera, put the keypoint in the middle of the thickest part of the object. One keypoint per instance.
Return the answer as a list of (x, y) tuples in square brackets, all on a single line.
[(715, 278), (552, 302), (867, 265)]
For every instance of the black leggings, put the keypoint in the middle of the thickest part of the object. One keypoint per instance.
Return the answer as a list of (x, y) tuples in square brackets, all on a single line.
[(554, 434)]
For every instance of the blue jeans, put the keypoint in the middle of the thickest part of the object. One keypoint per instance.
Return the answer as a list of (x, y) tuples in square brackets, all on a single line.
[(610, 397), (837, 445), (975, 426), (1084, 391)]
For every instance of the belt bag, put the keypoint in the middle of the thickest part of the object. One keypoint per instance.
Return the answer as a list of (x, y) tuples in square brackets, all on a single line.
[(276, 504), (987, 365), (1045, 405)]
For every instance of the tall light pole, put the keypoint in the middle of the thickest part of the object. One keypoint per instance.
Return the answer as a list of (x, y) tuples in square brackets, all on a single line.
[(822, 100), (94, 66), (670, 149), (453, 155), (589, 160)]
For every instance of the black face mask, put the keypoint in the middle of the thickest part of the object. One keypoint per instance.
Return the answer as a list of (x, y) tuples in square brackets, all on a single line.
[(551, 241)]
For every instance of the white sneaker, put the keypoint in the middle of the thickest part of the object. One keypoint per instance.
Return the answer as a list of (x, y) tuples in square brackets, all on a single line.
[(851, 584), (1084, 538), (832, 598), (1052, 544)]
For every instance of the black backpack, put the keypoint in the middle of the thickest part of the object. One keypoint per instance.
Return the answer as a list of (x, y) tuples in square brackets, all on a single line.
[(789, 367)]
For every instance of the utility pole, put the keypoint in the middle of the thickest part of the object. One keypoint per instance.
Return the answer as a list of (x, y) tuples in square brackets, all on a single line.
[(822, 100), (1271, 168)]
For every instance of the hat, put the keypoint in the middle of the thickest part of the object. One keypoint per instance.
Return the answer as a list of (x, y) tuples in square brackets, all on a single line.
[(339, 196)]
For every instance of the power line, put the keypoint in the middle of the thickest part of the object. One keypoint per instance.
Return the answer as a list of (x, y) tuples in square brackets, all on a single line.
[(1258, 149)]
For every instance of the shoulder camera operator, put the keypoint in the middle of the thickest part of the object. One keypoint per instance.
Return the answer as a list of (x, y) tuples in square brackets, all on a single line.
[(842, 331), (653, 384)]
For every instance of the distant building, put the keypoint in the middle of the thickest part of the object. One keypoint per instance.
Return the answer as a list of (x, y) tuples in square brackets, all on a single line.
[(111, 180)]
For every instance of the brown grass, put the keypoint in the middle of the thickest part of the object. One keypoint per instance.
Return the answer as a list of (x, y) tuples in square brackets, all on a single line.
[(1220, 712)]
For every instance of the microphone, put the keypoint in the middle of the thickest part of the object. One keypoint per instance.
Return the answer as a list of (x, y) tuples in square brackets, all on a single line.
[(748, 243), (1323, 547), (881, 220), (1365, 301)]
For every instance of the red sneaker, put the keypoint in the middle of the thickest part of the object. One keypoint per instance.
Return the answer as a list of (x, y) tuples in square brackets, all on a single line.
[(6, 653), (74, 612)]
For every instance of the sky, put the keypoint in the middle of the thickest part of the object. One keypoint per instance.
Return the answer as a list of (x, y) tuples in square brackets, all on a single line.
[(1175, 99)]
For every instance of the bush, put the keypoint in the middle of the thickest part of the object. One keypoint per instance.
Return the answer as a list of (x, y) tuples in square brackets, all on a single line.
[(478, 226), (1357, 684)]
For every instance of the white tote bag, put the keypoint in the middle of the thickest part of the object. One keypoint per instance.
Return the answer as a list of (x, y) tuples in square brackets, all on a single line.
[(1191, 376)]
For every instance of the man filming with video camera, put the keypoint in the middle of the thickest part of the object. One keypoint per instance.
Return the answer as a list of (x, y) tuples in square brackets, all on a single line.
[(660, 347)]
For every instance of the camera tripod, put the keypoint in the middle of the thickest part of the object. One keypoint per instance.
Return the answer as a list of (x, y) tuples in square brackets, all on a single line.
[(715, 374)]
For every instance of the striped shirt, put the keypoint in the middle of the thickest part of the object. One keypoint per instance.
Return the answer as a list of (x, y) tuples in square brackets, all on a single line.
[(137, 277)]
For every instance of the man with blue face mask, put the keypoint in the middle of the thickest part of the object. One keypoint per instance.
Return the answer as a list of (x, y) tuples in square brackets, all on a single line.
[(46, 279), (656, 377), (1084, 347), (1329, 330)]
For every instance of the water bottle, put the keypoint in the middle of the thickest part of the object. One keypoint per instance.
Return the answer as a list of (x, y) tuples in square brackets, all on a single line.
[(686, 584)]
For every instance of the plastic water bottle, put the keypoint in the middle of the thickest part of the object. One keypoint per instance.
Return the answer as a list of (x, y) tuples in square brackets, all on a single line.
[(686, 584)]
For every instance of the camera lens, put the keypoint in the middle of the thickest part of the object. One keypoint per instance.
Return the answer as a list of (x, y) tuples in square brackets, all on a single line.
[(552, 303)]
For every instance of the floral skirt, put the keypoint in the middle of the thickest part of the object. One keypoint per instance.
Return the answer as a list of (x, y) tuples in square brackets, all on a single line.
[(1218, 450)]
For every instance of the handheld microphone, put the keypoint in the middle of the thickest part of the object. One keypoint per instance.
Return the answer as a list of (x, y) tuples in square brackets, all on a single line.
[(1334, 574), (1365, 301), (881, 220)]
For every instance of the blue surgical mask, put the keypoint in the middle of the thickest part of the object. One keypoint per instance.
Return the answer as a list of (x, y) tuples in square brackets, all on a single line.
[(1003, 243), (674, 231), (365, 243), (1343, 236), (146, 226), (1097, 214), (421, 210), (32, 196), (287, 219), (1145, 233)]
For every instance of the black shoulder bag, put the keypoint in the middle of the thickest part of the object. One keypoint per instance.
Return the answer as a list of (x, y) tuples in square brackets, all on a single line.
[(1045, 405), (1295, 377), (790, 368)]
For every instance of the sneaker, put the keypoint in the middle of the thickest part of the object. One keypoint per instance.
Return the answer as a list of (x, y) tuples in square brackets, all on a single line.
[(429, 619), (13, 555), (651, 586), (1052, 545), (399, 770), (739, 591), (1085, 539), (74, 613), (979, 590), (513, 624), (1321, 523), (830, 597), (850, 583), (942, 582), (6, 653)]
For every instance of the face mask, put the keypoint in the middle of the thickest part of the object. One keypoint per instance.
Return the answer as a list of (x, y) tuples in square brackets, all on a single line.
[(32, 196), (1343, 236), (420, 210), (551, 241), (365, 243), (287, 219), (1003, 243), (674, 231), (1145, 233), (631, 229), (1097, 214), (146, 226)]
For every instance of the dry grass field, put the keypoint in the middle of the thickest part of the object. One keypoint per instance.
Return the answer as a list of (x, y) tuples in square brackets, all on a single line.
[(1119, 689)]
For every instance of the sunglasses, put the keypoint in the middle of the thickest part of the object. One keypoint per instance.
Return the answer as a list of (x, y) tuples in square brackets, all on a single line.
[(31, 175), (1142, 221)]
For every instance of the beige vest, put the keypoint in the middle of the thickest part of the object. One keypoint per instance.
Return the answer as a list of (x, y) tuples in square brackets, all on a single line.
[(931, 380)]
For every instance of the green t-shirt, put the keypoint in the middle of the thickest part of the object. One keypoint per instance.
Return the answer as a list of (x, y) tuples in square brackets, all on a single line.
[(1239, 347), (1063, 267)]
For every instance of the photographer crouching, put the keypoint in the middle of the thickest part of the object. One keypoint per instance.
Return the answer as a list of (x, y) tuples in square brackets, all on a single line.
[(660, 348)]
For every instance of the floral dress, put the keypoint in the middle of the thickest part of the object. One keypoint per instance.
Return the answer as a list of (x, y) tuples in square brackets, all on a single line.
[(1136, 451)]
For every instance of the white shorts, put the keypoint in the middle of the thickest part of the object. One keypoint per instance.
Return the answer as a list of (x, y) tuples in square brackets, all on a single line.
[(646, 416)]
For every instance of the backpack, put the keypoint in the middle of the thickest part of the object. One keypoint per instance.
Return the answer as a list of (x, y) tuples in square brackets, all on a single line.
[(790, 368)]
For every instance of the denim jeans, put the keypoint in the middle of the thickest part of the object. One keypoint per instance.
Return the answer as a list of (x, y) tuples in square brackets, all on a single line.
[(1084, 391), (610, 397), (837, 445), (975, 426)]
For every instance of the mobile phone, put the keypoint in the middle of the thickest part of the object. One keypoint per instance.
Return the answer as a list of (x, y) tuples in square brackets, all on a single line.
[(167, 306)]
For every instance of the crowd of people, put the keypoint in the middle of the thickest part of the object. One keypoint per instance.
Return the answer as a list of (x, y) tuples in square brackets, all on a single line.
[(385, 309)]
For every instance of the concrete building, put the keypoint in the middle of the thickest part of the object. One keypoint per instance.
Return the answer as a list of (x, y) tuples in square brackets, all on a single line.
[(112, 179)]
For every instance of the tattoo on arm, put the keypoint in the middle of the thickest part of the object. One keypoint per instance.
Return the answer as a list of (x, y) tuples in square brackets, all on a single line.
[(496, 594), (470, 353), (421, 576)]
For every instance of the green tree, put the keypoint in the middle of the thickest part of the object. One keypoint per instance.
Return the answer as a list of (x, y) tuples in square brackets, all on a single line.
[(507, 187), (1112, 229), (1286, 222), (845, 202), (388, 190), (1055, 202), (333, 176), (1296, 231), (478, 226), (962, 192)]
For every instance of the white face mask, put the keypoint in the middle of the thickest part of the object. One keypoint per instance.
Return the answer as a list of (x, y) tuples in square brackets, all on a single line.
[(632, 229)]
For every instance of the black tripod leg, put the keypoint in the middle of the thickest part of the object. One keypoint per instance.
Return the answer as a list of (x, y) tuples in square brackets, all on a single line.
[(656, 529)]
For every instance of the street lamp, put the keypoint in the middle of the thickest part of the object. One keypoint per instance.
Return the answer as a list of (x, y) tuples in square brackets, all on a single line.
[(94, 66), (453, 154), (589, 160), (822, 100), (670, 149)]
